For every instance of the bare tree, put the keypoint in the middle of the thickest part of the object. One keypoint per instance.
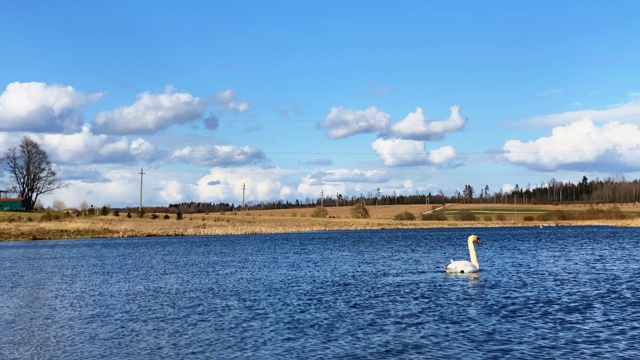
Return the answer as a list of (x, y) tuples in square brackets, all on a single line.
[(31, 172)]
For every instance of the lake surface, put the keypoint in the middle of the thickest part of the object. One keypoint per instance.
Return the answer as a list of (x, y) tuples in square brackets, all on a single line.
[(553, 292)]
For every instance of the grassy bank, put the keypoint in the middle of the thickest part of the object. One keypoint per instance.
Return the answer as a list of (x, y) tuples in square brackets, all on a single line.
[(52, 225)]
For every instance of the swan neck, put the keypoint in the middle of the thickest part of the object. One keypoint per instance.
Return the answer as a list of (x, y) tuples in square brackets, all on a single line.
[(472, 254)]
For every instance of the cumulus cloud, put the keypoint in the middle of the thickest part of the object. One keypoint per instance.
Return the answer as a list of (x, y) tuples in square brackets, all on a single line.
[(228, 102), (150, 113), (348, 176), (224, 184), (579, 145), (115, 187), (442, 155), (218, 155), (86, 148), (400, 152), (416, 127), (171, 191), (628, 112), (341, 122), (40, 107)]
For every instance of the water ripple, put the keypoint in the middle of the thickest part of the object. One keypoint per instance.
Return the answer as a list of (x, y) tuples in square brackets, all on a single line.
[(543, 293)]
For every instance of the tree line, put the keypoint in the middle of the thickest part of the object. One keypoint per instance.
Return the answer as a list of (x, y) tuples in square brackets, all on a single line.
[(596, 191)]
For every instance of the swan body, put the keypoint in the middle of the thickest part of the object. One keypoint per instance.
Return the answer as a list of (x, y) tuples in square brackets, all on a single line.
[(464, 266)]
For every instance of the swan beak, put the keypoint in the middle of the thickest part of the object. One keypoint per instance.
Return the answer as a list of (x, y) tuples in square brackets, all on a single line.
[(478, 241)]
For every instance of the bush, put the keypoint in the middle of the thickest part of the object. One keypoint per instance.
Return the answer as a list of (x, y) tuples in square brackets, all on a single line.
[(487, 218), (320, 212), (166, 216), (466, 216), (433, 216), (50, 217), (548, 216), (528, 218), (359, 211), (178, 215), (128, 215), (404, 216), (116, 213), (501, 217), (154, 216), (104, 211)]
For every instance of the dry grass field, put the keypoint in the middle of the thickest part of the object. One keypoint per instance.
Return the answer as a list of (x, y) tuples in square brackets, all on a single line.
[(43, 225)]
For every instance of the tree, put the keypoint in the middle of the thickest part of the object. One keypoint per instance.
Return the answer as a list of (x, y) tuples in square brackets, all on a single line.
[(468, 191), (30, 170), (58, 205)]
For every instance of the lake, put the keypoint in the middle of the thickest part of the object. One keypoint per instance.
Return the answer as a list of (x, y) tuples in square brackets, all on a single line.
[(552, 292)]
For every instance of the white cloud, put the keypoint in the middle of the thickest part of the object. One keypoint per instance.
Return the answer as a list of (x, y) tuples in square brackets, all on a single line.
[(349, 176), (415, 126), (150, 113), (218, 155), (442, 155), (172, 192), (341, 122), (628, 112), (400, 152), (87, 148), (228, 102), (225, 185), (118, 188), (39, 107), (579, 145)]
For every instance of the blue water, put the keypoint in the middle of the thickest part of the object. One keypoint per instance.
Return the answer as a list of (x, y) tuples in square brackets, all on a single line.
[(555, 292)]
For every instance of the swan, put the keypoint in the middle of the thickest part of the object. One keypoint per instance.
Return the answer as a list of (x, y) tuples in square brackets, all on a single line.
[(464, 266)]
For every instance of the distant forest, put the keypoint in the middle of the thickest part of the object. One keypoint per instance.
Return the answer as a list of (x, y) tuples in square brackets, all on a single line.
[(609, 190)]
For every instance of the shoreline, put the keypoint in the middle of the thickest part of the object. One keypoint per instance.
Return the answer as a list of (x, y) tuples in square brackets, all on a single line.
[(211, 225)]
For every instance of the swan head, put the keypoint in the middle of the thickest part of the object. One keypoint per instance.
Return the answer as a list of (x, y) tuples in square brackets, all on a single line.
[(475, 239)]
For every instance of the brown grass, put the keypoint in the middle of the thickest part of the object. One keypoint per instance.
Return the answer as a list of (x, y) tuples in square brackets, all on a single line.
[(29, 226)]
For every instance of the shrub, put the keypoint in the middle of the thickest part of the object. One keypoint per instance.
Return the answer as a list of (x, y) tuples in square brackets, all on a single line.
[(466, 216), (501, 217), (128, 214), (528, 218), (548, 216), (320, 212), (104, 211), (49, 217), (166, 216), (116, 212), (487, 218), (178, 215), (359, 211), (141, 213), (433, 217), (154, 216), (405, 216)]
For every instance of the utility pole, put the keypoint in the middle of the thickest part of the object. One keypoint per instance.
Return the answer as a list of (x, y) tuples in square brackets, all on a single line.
[(243, 189), (321, 203), (141, 175)]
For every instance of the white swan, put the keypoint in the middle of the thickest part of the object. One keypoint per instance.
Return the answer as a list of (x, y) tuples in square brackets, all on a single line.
[(464, 266)]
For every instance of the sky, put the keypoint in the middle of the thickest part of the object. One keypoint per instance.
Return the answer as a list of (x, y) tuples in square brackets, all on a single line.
[(293, 100)]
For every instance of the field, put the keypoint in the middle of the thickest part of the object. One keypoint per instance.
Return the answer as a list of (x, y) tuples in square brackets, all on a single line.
[(55, 225)]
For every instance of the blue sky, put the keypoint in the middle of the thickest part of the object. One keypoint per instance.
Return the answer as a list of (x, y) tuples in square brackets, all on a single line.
[(297, 98)]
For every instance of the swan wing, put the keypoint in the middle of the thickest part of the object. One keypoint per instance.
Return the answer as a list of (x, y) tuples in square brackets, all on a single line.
[(461, 266)]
